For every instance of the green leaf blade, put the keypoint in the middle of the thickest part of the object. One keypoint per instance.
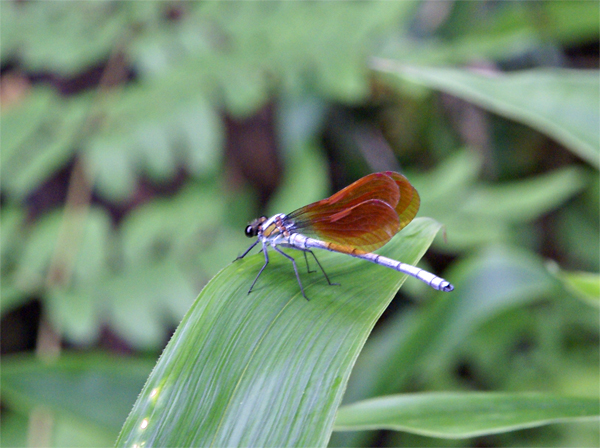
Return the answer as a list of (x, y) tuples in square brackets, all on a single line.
[(563, 104), (462, 415), (269, 368)]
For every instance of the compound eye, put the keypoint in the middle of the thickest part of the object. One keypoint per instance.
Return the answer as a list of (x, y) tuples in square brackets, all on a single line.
[(251, 231)]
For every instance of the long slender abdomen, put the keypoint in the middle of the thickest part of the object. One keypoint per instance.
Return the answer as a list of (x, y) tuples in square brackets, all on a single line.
[(302, 242)]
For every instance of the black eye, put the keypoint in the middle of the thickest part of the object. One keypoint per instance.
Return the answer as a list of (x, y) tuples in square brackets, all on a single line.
[(250, 231)]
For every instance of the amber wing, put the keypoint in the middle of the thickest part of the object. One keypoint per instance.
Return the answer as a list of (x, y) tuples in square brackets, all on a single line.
[(364, 215)]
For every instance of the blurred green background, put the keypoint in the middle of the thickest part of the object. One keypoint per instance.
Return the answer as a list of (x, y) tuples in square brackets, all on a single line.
[(139, 138)]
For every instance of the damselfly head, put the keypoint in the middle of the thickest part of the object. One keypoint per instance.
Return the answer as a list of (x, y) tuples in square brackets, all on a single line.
[(252, 228)]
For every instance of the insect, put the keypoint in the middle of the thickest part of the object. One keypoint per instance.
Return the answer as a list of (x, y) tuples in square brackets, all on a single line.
[(354, 221)]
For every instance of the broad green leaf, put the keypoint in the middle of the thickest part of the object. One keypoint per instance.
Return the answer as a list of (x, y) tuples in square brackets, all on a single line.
[(564, 104), (461, 415), (268, 368)]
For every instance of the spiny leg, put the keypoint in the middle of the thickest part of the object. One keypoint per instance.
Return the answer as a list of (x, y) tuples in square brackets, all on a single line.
[(247, 250), (289, 257), (317, 260), (306, 260), (261, 269)]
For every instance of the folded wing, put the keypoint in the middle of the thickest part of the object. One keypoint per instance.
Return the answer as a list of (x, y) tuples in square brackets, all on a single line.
[(364, 215)]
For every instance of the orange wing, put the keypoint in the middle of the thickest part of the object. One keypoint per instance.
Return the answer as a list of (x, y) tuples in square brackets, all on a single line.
[(409, 202), (366, 226), (374, 186), (364, 215)]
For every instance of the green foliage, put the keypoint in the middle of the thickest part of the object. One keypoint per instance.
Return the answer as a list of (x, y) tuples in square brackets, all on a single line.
[(570, 114), (58, 36), (90, 391), (585, 285), (475, 213), (37, 140), (269, 368), (464, 415), (520, 214)]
